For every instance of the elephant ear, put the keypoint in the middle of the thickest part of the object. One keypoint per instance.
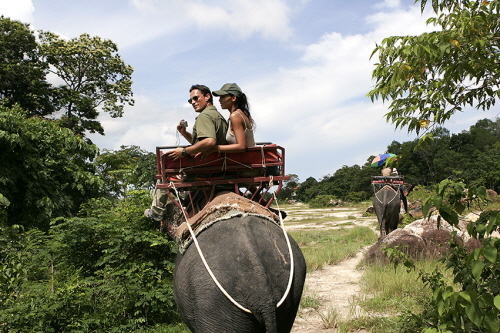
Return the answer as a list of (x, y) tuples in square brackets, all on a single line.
[(173, 219)]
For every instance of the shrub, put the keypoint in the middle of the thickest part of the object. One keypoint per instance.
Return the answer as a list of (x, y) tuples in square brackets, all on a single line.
[(356, 196), (109, 271), (323, 201)]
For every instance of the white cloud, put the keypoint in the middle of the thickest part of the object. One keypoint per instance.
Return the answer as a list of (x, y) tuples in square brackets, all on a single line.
[(21, 10), (237, 19), (388, 4), (399, 22), (147, 124), (318, 109)]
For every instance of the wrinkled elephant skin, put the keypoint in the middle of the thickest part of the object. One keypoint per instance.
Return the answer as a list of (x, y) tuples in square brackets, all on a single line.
[(387, 205), (249, 257)]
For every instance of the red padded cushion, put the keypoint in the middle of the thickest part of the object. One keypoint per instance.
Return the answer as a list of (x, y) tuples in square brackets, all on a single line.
[(248, 157)]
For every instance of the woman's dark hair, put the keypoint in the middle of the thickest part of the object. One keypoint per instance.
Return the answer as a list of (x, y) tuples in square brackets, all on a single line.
[(242, 104), (204, 90)]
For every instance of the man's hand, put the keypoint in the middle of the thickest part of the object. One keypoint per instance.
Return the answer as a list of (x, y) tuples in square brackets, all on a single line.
[(181, 128), (183, 131), (174, 154)]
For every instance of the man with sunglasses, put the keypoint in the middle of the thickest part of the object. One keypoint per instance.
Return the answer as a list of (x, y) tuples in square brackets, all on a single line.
[(209, 129)]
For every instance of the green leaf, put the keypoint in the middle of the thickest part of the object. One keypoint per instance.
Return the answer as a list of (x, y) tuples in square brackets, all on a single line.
[(473, 312), (490, 253), (491, 322), (465, 296), (477, 269), (497, 302)]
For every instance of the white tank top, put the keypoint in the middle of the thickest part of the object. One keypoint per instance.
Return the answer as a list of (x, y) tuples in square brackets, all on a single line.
[(249, 138)]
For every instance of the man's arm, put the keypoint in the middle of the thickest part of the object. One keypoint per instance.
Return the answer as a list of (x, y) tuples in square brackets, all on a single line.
[(199, 147)]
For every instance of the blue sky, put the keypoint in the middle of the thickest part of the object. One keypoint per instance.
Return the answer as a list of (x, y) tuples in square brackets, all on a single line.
[(304, 65)]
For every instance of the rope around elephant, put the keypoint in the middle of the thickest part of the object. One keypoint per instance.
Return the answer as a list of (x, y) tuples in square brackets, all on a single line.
[(213, 276), (396, 193)]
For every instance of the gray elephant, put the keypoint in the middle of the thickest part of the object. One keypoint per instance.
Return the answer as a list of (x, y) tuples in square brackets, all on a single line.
[(249, 257), (387, 205)]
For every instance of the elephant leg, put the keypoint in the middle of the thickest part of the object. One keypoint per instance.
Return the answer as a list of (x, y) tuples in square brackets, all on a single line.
[(383, 230)]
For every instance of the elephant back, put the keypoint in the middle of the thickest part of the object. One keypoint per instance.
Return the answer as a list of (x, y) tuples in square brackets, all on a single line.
[(224, 206)]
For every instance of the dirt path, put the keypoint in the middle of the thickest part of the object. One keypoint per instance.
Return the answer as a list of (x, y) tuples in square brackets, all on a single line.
[(335, 286)]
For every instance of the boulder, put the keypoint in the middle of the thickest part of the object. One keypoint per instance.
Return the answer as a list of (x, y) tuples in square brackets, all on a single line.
[(492, 195), (418, 227), (410, 244), (423, 238)]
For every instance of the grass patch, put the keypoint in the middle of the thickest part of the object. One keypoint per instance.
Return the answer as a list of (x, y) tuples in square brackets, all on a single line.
[(387, 288), (172, 328), (325, 247), (372, 324), (346, 224), (311, 219), (330, 318), (309, 302)]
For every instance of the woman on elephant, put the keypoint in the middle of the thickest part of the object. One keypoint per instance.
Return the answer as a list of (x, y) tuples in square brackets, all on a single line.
[(240, 133)]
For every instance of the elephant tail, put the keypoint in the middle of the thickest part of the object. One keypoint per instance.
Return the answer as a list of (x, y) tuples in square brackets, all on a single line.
[(270, 321)]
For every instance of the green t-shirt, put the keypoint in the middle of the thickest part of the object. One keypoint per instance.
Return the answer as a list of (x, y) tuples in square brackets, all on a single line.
[(210, 124)]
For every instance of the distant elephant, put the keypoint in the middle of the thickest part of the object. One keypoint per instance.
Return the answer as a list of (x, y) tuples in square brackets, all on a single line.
[(249, 257), (387, 205)]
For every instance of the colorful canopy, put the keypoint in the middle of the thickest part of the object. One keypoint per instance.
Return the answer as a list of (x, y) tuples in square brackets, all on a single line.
[(380, 159)]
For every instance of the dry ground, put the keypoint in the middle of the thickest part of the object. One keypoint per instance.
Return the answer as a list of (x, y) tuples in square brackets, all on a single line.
[(336, 286)]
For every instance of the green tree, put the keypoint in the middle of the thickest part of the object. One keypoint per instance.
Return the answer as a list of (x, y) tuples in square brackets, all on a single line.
[(430, 77), (126, 169), (22, 73), (94, 76), (307, 190), (289, 187), (488, 167), (44, 169), (349, 180)]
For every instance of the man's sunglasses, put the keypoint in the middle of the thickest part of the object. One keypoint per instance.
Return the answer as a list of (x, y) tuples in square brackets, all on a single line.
[(195, 98)]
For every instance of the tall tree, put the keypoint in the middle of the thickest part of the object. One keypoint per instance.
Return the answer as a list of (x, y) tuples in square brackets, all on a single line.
[(22, 74), (128, 168), (94, 76), (432, 76), (289, 187)]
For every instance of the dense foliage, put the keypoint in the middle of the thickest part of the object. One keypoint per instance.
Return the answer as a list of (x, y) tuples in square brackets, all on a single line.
[(109, 270), (76, 252), (22, 72), (44, 169), (126, 169)]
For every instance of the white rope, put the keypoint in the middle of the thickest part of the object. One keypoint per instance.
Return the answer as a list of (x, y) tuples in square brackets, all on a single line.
[(395, 195), (290, 280), (263, 156)]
